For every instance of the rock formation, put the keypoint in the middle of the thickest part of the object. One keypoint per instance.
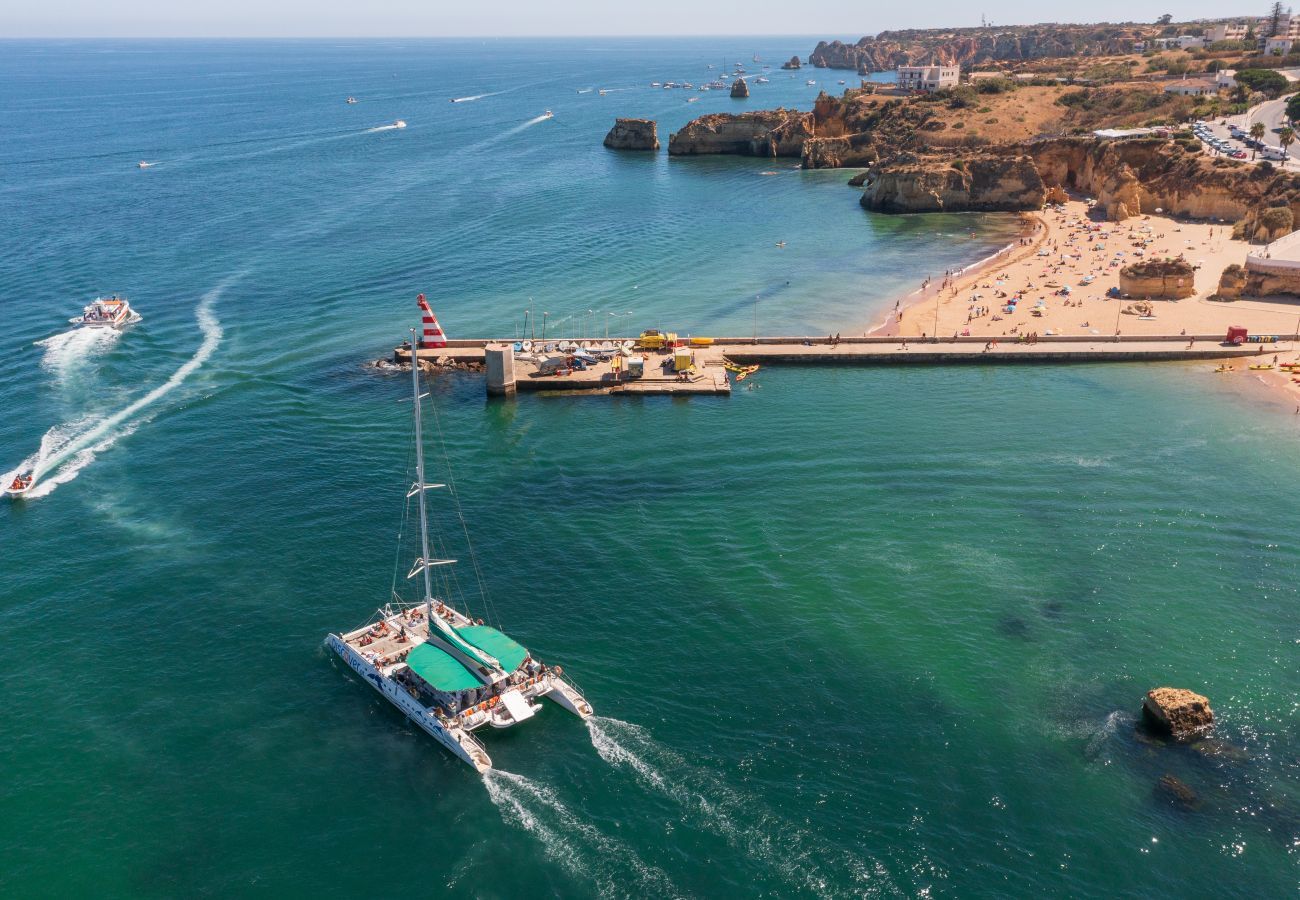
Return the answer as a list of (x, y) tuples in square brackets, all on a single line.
[(1056, 194), (792, 64), (739, 89), (777, 132), (633, 134), (1177, 712), (989, 184), (1158, 279), (971, 46), (1173, 791), (1232, 283)]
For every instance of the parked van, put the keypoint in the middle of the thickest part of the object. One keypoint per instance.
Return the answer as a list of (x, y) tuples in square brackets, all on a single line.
[(1276, 153)]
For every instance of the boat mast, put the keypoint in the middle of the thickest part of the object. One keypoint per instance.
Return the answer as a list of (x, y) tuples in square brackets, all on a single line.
[(419, 477)]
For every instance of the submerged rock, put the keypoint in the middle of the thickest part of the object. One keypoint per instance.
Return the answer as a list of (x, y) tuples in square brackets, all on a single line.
[(633, 134), (1174, 792), (739, 89), (1177, 712)]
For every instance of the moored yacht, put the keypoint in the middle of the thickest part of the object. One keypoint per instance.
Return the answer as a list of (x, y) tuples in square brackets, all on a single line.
[(448, 673), (107, 312)]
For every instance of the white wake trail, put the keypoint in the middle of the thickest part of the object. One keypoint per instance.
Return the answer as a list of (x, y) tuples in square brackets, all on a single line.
[(476, 97), (67, 449), (789, 852), (578, 846), (66, 352)]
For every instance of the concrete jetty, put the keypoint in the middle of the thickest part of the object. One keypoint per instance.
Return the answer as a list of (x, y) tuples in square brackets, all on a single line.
[(507, 374)]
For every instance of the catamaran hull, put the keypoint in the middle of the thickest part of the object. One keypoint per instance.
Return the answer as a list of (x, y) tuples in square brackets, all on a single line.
[(396, 695)]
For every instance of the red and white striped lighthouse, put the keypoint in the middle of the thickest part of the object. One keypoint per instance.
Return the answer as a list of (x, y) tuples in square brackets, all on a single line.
[(430, 331)]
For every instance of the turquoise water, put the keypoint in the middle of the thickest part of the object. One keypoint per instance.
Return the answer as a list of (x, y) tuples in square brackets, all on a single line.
[(850, 632)]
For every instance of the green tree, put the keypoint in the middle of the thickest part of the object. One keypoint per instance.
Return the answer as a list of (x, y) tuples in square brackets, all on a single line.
[(1269, 82), (1274, 19), (1293, 108), (1257, 132), (1165, 19), (1286, 136)]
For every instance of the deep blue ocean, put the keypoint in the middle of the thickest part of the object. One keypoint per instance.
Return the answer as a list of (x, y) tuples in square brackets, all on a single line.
[(851, 632)]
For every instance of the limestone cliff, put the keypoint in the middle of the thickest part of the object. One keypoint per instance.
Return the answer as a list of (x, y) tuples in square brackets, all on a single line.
[(777, 132), (972, 46), (633, 134), (739, 89), (987, 183)]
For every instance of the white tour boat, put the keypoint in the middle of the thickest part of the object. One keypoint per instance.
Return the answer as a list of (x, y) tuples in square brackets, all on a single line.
[(448, 673), (22, 483), (107, 312)]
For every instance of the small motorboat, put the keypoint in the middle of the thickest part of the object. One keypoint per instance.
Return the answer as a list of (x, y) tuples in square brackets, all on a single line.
[(22, 483), (399, 124), (107, 312), (352, 100), (810, 82), (547, 114), (143, 165)]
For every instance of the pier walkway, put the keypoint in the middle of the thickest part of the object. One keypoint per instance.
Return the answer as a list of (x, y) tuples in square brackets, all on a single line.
[(710, 377)]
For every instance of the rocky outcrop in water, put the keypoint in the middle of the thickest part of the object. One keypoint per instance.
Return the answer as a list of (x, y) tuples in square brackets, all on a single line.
[(633, 134), (777, 132), (1177, 712), (971, 46), (793, 63), (739, 89), (986, 184), (1158, 279)]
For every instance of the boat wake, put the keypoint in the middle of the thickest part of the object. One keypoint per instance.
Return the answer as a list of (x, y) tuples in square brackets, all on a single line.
[(475, 97), (68, 448), (393, 126), (794, 854), (580, 847), (67, 351)]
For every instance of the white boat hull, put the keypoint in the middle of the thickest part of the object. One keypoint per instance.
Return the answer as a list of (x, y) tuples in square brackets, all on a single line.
[(397, 695)]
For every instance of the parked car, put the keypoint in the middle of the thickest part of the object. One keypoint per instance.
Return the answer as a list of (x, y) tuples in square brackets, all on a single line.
[(1238, 154)]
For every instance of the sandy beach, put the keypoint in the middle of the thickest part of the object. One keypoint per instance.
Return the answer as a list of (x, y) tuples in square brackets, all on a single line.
[(1068, 249)]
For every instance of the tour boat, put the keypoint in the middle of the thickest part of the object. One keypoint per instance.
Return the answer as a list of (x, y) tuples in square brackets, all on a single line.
[(760, 80), (22, 483), (107, 312), (448, 673), (352, 100)]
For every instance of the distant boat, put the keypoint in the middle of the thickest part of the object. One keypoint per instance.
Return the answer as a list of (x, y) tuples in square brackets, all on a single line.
[(780, 243), (399, 124), (691, 99), (352, 100), (841, 81), (810, 82), (143, 165), (547, 114), (652, 84), (760, 80)]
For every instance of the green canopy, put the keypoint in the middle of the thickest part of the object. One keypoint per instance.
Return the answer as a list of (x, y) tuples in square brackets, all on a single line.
[(488, 639), (440, 669)]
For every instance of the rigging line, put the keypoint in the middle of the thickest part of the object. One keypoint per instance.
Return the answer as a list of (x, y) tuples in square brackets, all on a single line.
[(406, 516), (488, 609)]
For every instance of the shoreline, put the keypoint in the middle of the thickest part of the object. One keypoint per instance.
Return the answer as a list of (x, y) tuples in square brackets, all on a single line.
[(1032, 226), (1063, 292)]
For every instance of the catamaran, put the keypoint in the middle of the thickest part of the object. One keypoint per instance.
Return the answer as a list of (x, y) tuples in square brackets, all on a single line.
[(448, 673), (107, 312)]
